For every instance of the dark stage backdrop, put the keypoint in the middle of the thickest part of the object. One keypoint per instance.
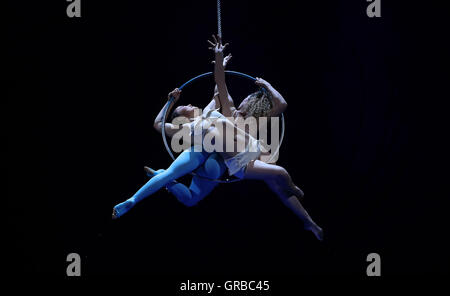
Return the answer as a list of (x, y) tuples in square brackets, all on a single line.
[(365, 132)]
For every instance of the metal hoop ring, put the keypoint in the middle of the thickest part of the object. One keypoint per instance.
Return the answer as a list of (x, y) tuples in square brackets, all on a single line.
[(163, 132)]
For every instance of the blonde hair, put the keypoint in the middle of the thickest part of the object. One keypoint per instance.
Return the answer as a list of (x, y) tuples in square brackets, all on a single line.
[(259, 105)]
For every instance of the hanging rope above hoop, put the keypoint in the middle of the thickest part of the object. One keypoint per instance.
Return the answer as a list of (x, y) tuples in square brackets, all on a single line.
[(234, 73), (219, 20)]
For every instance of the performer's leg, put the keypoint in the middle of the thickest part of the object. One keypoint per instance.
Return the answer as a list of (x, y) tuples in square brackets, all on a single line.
[(179, 190), (201, 185), (213, 168), (185, 163), (280, 182)]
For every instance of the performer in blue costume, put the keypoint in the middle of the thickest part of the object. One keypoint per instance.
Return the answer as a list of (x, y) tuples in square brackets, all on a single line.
[(243, 164)]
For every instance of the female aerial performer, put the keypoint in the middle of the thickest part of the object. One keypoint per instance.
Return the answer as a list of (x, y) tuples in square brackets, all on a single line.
[(243, 164)]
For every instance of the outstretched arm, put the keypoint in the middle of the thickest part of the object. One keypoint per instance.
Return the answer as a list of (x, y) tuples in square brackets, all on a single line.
[(170, 129), (226, 102), (215, 103), (278, 102)]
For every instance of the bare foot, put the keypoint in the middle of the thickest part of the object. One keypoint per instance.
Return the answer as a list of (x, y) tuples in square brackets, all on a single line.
[(316, 230), (149, 171), (115, 214), (122, 208)]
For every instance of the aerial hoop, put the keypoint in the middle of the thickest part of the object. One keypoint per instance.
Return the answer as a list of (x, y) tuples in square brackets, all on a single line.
[(166, 108)]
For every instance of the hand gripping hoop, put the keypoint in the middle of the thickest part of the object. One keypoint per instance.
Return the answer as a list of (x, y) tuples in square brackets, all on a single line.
[(239, 74)]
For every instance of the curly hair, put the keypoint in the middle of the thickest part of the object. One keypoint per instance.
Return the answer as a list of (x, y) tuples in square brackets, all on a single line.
[(259, 104)]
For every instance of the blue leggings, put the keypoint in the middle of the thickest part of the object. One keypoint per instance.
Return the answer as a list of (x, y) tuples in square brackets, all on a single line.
[(212, 168), (185, 163)]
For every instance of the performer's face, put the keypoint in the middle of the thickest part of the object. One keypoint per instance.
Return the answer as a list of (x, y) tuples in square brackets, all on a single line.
[(244, 104), (248, 101), (188, 111)]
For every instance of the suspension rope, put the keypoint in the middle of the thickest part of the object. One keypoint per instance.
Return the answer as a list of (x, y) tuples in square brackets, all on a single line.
[(219, 20)]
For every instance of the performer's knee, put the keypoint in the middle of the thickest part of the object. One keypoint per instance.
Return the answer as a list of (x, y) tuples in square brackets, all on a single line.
[(190, 203), (281, 174), (213, 167)]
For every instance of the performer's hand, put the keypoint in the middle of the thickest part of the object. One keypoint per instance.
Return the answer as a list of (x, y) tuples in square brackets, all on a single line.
[(261, 82), (225, 60), (175, 94), (217, 46)]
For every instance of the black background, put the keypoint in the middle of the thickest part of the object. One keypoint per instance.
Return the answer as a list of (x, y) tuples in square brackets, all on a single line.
[(364, 139)]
